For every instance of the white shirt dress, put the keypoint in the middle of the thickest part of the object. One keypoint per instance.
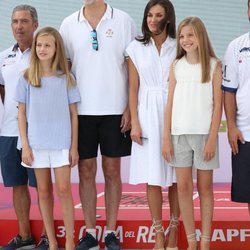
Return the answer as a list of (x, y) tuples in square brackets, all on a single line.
[(147, 164)]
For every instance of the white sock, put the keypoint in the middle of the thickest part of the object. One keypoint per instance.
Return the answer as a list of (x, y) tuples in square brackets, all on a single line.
[(108, 232), (91, 231)]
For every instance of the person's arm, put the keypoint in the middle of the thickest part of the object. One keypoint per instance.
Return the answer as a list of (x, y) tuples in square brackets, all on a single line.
[(63, 30), (136, 132), (126, 118), (2, 90), (74, 157), (167, 148), (130, 33), (27, 155), (2, 93), (230, 87), (234, 134), (210, 147)]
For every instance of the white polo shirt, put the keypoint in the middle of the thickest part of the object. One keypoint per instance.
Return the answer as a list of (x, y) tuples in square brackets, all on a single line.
[(13, 62), (101, 75), (236, 79)]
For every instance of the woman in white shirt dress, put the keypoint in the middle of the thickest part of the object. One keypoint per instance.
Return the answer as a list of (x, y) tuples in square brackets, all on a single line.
[(150, 57)]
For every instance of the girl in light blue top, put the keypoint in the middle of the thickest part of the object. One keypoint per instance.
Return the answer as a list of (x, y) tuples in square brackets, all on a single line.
[(48, 126)]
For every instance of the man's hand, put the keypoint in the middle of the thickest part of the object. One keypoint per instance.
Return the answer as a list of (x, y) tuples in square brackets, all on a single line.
[(125, 121), (234, 134)]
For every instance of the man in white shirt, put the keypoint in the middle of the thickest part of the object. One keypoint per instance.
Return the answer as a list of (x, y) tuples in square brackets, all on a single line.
[(95, 41), (236, 86), (13, 61)]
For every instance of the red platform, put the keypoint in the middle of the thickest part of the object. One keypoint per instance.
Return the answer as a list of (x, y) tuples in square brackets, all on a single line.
[(231, 226)]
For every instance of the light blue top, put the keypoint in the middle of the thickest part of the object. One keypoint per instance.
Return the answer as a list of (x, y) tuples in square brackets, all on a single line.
[(47, 110)]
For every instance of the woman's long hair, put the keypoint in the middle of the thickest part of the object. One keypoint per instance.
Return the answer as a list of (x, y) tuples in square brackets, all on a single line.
[(205, 49)]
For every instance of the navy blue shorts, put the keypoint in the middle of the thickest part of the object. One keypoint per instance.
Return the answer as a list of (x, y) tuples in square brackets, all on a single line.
[(105, 131), (240, 190), (13, 173)]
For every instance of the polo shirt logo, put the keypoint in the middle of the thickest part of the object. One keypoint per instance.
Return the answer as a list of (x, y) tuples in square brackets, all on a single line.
[(244, 58), (245, 49), (11, 56), (8, 62), (109, 33)]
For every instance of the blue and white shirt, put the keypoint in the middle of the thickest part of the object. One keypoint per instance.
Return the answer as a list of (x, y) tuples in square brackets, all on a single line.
[(236, 79), (47, 111)]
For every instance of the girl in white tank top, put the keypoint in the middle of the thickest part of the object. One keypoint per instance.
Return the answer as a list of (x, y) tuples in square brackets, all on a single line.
[(192, 120)]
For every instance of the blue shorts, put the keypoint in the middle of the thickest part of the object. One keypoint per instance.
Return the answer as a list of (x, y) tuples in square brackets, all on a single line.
[(240, 189), (13, 173)]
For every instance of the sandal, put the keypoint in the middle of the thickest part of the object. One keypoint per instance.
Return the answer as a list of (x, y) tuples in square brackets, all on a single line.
[(174, 221), (158, 228), (205, 239), (191, 238)]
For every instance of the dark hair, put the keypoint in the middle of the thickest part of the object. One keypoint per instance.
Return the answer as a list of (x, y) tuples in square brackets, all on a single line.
[(248, 3), (26, 7), (169, 20)]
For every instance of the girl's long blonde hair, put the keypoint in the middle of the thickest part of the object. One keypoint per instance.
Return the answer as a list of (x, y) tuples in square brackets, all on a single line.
[(205, 49), (59, 63)]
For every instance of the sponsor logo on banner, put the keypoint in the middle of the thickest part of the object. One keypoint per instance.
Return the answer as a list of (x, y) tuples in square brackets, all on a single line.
[(145, 234)]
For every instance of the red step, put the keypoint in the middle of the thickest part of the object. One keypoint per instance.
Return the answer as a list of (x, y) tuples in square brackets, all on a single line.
[(231, 226)]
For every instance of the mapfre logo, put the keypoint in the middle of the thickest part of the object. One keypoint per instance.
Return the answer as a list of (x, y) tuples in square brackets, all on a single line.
[(228, 235)]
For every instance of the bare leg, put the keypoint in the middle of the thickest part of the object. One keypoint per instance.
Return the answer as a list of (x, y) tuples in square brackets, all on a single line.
[(113, 189), (43, 232), (205, 189), (185, 196), (174, 214), (62, 178), (87, 189), (21, 201), (154, 195), (45, 194)]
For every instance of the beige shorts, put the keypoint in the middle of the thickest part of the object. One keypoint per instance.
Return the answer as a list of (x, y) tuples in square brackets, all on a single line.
[(49, 158), (188, 152)]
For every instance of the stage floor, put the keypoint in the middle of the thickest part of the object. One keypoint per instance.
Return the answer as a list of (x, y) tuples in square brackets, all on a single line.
[(231, 226)]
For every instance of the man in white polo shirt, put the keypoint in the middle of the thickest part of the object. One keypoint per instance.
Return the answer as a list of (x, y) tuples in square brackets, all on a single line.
[(236, 86), (13, 61), (95, 39)]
